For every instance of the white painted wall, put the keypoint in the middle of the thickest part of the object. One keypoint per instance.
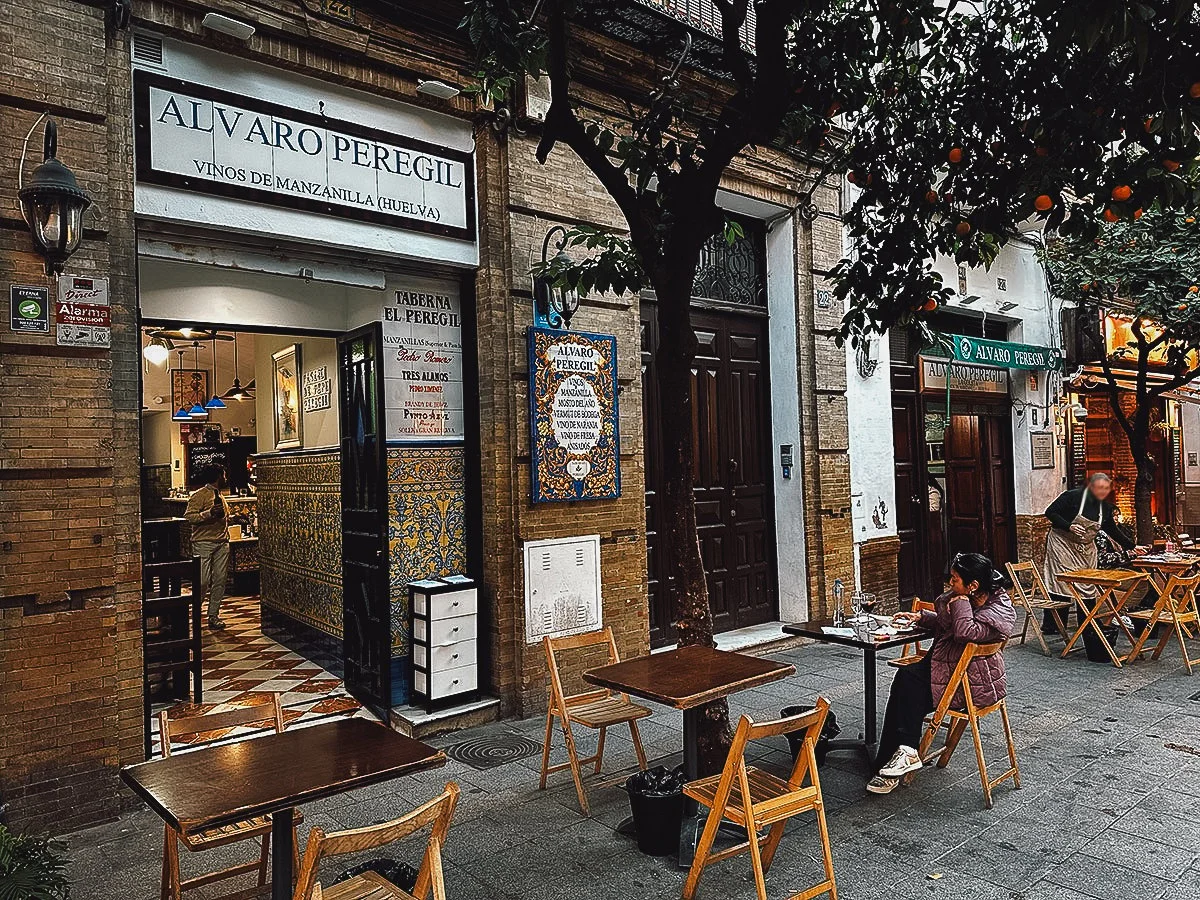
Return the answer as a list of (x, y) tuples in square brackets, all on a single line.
[(872, 469), (785, 420), (318, 428), (250, 79)]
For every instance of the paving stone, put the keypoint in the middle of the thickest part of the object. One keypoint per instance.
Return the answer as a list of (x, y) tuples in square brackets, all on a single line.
[(1106, 880)]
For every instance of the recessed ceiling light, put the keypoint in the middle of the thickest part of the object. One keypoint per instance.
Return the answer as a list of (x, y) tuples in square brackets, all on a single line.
[(438, 89), (226, 25)]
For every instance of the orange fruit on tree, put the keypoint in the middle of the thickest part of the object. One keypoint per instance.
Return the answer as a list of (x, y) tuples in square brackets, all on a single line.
[(852, 177), (1043, 203), (1171, 165), (1148, 124), (963, 228), (1110, 216), (929, 305), (956, 155), (931, 197), (1190, 219), (1194, 91), (1194, 289), (1122, 192), (1138, 213), (1182, 307)]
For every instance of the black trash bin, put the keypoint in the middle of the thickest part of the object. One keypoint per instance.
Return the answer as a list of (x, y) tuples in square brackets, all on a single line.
[(401, 874), (829, 731), (656, 802)]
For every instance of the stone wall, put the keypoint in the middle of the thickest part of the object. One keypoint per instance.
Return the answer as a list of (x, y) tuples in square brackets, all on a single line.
[(1031, 539)]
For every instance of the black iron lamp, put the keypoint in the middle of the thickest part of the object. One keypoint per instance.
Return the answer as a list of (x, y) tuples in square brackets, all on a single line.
[(554, 304), (52, 204)]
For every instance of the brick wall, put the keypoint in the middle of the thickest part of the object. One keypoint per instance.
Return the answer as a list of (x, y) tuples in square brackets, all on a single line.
[(877, 570), (70, 636)]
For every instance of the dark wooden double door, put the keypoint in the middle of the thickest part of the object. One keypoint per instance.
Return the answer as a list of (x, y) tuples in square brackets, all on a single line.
[(960, 503), (732, 474)]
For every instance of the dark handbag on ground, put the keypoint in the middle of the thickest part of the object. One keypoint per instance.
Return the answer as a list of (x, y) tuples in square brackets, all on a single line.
[(829, 731)]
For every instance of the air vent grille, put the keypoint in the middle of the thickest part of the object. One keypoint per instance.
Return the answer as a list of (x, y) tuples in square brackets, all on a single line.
[(147, 48)]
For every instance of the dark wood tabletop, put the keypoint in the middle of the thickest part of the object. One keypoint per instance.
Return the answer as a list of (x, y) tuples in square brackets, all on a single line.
[(688, 677), (813, 629), (220, 785)]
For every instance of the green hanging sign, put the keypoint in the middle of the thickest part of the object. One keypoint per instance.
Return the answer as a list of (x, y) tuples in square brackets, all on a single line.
[(1005, 353)]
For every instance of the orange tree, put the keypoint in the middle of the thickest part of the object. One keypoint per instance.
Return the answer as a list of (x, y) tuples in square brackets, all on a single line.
[(1146, 272), (961, 120)]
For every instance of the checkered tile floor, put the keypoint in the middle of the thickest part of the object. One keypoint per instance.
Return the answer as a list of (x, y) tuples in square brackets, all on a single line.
[(243, 667)]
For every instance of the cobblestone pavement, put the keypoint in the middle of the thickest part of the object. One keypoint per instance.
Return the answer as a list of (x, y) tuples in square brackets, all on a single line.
[(1109, 806)]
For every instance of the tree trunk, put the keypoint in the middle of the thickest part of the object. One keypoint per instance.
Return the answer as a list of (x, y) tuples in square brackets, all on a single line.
[(684, 580), (1143, 492)]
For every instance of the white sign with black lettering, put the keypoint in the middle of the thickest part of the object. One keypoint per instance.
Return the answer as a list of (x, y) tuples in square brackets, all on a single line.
[(200, 138), (316, 392), (423, 361)]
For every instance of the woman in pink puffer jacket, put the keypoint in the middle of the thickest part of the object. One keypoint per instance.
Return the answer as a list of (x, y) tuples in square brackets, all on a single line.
[(976, 610)]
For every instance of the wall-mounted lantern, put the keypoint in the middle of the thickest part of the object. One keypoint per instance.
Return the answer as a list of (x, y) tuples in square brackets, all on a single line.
[(553, 306), (52, 204)]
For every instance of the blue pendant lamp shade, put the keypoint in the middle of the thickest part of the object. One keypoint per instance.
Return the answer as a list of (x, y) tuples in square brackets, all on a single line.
[(197, 411), (181, 415), (215, 402)]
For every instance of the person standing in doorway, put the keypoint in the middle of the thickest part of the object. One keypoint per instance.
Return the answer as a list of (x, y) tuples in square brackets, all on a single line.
[(208, 516), (1076, 517)]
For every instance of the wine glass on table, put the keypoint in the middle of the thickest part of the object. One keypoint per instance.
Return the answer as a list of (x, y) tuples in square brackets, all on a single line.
[(869, 601)]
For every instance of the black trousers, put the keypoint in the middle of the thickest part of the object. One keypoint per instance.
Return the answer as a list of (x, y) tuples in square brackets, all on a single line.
[(910, 701)]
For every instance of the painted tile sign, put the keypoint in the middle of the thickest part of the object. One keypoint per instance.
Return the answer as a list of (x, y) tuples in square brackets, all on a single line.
[(573, 416), (422, 370)]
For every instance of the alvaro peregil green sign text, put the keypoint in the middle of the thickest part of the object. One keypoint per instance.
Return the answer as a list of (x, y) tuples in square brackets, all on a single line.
[(1004, 353)]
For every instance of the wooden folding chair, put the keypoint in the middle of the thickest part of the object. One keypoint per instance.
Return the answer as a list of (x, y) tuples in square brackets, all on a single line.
[(1176, 608), (913, 651), (259, 827), (592, 709), (1036, 597), (957, 721), (436, 815), (755, 799)]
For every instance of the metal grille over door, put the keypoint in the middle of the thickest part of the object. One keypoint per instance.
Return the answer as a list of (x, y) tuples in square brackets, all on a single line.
[(366, 601)]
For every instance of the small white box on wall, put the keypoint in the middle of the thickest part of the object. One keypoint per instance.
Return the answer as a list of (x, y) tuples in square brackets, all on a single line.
[(562, 587)]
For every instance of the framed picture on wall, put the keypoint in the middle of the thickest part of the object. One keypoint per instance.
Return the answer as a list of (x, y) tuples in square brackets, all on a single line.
[(188, 387), (288, 425)]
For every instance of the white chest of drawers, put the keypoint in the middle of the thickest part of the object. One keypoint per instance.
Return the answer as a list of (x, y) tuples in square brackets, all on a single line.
[(445, 654)]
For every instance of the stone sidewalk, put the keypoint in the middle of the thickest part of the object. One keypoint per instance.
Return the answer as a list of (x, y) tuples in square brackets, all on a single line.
[(1109, 807)]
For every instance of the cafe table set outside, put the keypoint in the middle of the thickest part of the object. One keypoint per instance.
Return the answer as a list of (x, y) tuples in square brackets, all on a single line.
[(274, 774)]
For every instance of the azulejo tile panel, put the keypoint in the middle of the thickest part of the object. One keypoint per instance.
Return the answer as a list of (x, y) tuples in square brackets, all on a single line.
[(300, 537), (427, 528)]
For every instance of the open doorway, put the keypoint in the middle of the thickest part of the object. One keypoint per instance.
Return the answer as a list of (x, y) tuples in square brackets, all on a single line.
[(261, 407)]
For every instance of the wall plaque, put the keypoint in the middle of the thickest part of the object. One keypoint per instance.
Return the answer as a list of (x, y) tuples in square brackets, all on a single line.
[(1041, 450), (317, 390), (575, 446)]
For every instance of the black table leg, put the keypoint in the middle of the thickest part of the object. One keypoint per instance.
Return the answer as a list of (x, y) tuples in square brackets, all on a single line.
[(869, 700), (692, 823), (281, 855)]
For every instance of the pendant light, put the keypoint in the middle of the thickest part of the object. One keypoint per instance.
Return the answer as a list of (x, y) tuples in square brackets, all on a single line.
[(236, 392), (181, 414), (215, 402), (197, 411), (157, 351)]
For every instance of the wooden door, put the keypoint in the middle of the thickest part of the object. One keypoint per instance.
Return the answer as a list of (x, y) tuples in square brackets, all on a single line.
[(966, 519), (366, 599), (911, 496), (732, 474), (996, 446)]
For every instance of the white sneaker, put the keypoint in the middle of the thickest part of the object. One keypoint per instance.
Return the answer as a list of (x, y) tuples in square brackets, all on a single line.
[(905, 760), (881, 785)]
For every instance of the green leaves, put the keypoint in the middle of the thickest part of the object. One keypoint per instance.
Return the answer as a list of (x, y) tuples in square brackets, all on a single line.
[(32, 868), (611, 264)]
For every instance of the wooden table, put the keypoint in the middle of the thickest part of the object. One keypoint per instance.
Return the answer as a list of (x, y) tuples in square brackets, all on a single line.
[(870, 648), (1116, 588), (1160, 568), (271, 775), (687, 679)]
